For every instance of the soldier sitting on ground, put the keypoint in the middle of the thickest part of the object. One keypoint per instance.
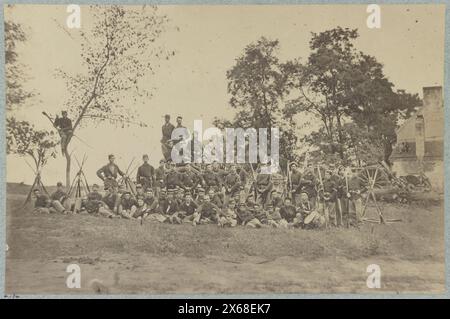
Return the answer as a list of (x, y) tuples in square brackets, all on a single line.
[(61, 202)]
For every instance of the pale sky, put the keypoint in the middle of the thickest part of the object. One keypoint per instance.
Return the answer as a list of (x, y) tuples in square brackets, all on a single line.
[(193, 83)]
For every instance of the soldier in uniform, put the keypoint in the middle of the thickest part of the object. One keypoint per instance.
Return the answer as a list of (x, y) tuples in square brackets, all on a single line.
[(64, 126), (207, 212), (211, 178), (296, 178), (288, 213), (228, 217), (160, 177), (245, 212), (93, 204), (188, 209), (60, 199), (145, 174), (189, 180), (355, 189), (170, 208), (330, 196), (151, 200), (42, 203), (166, 141), (263, 188), (308, 186), (173, 178), (112, 200), (339, 184), (108, 173), (127, 205), (232, 182)]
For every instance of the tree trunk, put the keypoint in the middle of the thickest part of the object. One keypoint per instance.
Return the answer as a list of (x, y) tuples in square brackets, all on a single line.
[(66, 154)]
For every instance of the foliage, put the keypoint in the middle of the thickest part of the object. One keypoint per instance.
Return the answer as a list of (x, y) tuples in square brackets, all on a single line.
[(117, 52), (14, 71), (24, 140)]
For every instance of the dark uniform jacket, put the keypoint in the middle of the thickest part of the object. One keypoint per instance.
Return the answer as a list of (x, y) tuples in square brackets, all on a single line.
[(111, 200), (167, 129), (64, 124), (41, 201), (288, 212), (59, 195), (145, 175), (93, 202), (189, 209), (109, 171)]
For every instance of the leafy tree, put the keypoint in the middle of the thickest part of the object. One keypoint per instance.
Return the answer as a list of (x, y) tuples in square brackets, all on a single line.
[(14, 71), (24, 140), (117, 53), (257, 87), (339, 85)]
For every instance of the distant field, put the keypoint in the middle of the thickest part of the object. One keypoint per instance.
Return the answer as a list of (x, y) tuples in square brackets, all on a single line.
[(152, 258)]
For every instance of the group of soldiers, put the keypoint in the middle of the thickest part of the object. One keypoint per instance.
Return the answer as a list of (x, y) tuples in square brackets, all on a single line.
[(224, 194)]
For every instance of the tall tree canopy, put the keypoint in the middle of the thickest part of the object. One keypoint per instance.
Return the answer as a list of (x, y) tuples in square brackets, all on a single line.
[(257, 85), (339, 84)]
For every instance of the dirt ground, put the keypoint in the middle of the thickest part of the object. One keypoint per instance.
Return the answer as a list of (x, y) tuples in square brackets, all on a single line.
[(129, 258)]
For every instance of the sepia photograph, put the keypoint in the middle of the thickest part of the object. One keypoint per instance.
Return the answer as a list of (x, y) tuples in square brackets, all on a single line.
[(224, 149)]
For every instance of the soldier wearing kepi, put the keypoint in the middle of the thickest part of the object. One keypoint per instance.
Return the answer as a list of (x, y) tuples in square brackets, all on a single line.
[(64, 126), (108, 173), (145, 174), (166, 141)]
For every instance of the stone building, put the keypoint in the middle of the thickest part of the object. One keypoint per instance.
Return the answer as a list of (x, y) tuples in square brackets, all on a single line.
[(420, 141)]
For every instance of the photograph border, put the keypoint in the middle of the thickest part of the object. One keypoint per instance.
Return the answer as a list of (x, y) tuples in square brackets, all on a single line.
[(325, 295)]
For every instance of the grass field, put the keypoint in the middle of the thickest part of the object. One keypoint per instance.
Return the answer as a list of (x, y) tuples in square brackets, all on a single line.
[(130, 258)]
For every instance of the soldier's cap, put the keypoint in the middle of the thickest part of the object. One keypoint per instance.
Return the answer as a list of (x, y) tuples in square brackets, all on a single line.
[(167, 116), (161, 161), (149, 190), (293, 164), (110, 156), (95, 186), (127, 192), (138, 186), (59, 184), (36, 190), (163, 191), (64, 112)]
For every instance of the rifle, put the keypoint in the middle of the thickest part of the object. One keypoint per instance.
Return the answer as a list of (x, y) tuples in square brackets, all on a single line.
[(289, 180)]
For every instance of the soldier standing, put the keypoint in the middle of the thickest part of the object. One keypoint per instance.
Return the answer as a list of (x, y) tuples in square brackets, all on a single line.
[(108, 173), (145, 174), (296, 178), (166, 141)]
